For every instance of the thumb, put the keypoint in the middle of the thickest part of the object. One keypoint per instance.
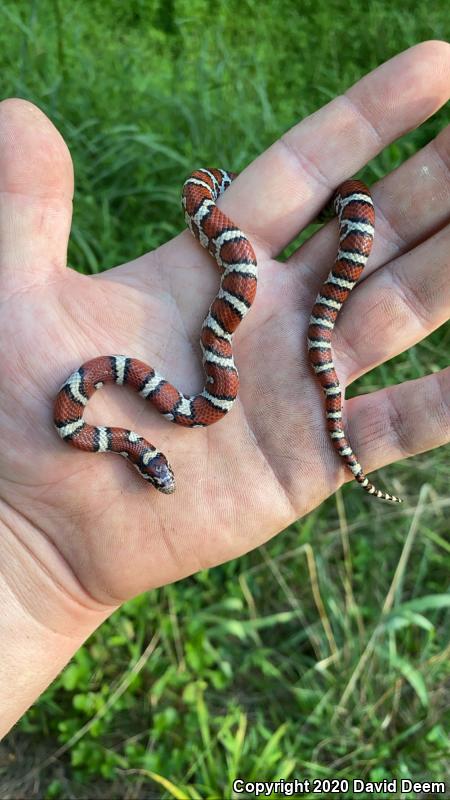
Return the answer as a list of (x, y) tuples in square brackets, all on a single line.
[(36, 188)]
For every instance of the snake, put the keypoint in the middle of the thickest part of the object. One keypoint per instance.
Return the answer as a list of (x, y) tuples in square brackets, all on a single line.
[(237, 264), (236, 260), (353, 204)]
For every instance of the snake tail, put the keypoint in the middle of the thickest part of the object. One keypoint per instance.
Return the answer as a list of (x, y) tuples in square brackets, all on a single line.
[(356, 215)]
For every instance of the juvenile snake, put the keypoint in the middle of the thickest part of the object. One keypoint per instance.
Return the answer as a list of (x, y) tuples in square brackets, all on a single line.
[(237, 262), (356, 215)]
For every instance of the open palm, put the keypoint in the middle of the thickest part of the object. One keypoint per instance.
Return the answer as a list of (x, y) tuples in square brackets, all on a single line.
[(270, 460)]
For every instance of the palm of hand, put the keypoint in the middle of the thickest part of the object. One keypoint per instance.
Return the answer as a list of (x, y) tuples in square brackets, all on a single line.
[(233, 478), (238, 482)]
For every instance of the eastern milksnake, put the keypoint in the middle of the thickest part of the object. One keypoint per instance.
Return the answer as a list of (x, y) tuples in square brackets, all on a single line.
[(237, 263)]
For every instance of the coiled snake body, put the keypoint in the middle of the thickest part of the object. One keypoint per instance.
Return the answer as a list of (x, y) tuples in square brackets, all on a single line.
[(237, 263)]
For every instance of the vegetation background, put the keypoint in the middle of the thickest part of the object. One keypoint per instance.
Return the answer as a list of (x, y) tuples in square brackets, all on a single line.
[(325, 653)]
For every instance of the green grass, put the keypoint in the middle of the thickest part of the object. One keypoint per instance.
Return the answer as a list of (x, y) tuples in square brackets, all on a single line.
[(324, 653)]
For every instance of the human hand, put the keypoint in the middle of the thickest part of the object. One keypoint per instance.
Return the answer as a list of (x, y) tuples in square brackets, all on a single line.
[(92, 526)]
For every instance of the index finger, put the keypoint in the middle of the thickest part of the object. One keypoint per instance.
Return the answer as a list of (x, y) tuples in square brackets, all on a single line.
[(284, 188)]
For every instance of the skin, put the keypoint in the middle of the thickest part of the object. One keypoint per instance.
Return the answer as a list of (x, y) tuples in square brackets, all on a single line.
[(80, 532)]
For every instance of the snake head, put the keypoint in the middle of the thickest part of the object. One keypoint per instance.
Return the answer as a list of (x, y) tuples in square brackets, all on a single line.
[(154, 468), (164, 479)]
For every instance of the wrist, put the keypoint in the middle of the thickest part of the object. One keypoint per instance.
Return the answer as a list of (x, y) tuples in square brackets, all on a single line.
[(45, 616)]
